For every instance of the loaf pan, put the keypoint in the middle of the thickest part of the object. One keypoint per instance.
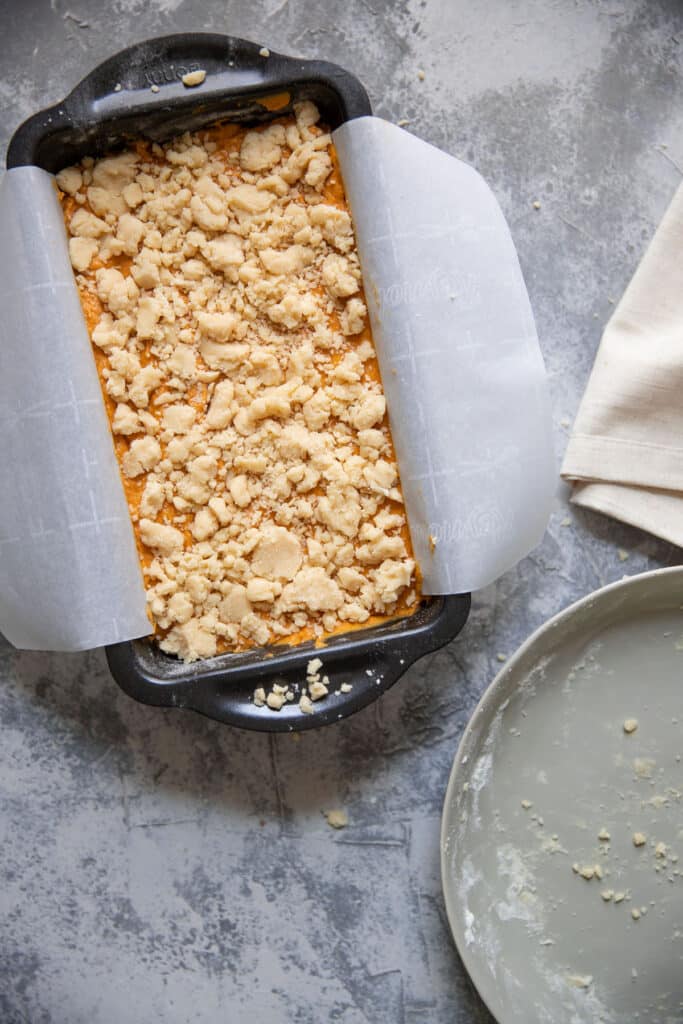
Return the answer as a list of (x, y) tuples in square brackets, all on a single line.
[(139, 93)]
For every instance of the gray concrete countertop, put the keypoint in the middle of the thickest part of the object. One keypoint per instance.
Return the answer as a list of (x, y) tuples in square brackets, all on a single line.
[(157, 867)]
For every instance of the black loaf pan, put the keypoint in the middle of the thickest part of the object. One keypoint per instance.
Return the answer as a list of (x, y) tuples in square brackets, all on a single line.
[(114, 105)]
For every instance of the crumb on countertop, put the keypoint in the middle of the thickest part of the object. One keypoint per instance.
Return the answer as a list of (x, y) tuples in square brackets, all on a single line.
[(336, 818)]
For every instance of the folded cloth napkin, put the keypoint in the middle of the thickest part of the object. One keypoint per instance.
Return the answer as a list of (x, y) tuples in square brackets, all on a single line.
[(625, 454)]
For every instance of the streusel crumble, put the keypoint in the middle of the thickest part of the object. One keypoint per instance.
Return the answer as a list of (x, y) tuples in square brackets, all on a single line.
[(221, 285)]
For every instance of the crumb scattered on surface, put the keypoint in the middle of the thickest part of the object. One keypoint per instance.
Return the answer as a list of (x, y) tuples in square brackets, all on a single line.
[(566, 521), (603, 835), (264, 52), (536, 204), (644, 767), (318, 686), (276, 699), (630, 725), (193, 78), (403, 122), (635, 914), (421, 74), (622, 554), (580, 980), (587, 871), (305, 704), (526, 804), (607, 894), (502, 657), (552, 846), (639, 839), (336, 818), (154, 88)]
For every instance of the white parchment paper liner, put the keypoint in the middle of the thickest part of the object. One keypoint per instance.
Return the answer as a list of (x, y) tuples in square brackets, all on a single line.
[(461, 367), (69, 571), (460, 364)]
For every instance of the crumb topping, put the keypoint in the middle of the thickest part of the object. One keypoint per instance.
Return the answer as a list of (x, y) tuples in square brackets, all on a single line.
[(220, 279)]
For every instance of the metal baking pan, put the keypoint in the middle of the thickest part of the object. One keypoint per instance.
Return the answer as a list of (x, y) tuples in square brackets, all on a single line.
[(139, 93)]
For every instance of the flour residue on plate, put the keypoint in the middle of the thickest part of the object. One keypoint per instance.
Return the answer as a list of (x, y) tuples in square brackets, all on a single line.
[(549, 778)]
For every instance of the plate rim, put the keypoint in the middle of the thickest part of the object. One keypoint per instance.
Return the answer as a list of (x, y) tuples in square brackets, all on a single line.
[(469, 736)]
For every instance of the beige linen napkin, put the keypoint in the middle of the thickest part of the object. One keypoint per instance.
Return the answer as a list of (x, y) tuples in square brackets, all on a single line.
[(625, 454)]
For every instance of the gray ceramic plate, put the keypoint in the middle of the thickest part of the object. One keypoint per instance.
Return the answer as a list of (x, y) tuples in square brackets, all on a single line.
[(548, 787)]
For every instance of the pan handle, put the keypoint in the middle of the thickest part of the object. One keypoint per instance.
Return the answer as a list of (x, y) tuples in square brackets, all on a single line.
[(228, 696), (159, 65), (224, 691), (138, 91)]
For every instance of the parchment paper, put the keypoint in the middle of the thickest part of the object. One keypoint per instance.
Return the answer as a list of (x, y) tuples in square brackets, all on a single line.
[(458, 351), (69, 572), (460, 363)]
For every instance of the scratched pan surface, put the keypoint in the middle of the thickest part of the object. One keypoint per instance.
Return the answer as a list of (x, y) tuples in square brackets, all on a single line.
[(546, 767)]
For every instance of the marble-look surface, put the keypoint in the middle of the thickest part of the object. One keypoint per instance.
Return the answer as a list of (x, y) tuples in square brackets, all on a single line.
[(157, 867)]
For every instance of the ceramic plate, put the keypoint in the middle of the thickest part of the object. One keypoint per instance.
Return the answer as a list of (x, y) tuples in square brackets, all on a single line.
[(562, 830)]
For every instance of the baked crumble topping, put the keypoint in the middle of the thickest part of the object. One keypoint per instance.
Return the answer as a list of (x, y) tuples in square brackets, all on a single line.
[(221, 284)]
